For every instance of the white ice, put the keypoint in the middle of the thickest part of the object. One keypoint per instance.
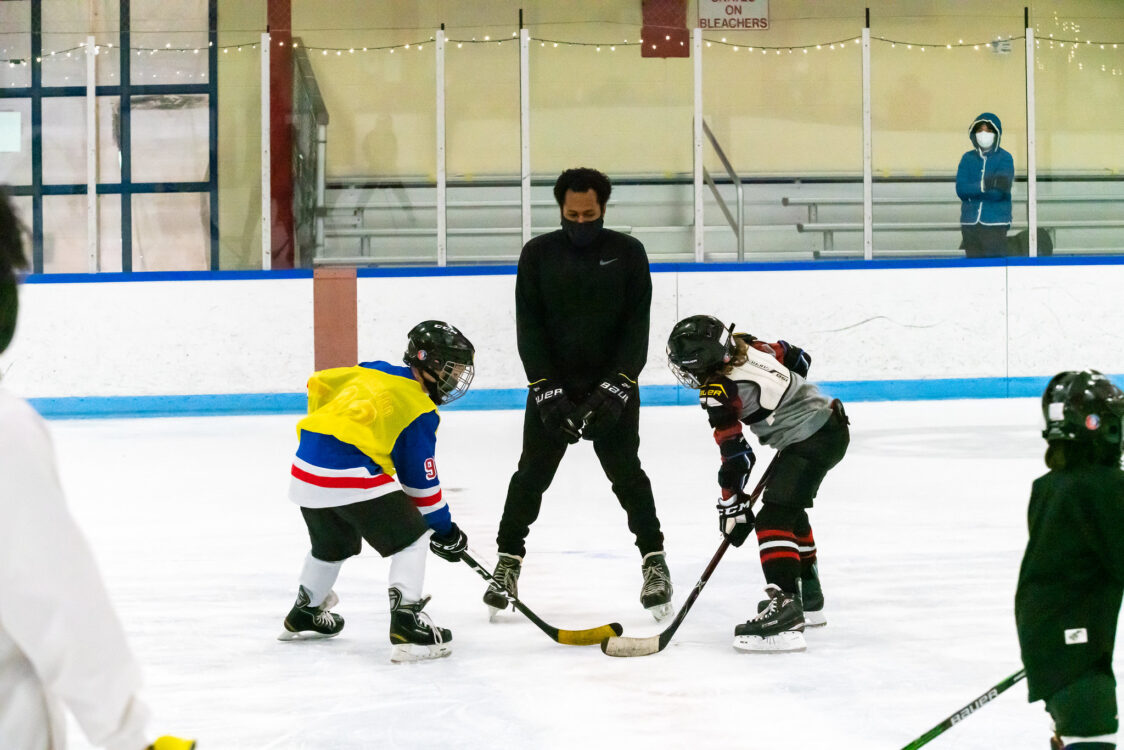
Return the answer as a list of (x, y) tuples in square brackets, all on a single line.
[(920, 533)]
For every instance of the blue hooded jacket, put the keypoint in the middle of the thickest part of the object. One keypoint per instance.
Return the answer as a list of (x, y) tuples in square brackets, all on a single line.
[(984, 178)]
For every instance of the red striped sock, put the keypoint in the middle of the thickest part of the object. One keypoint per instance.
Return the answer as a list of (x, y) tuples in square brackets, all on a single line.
[(806, 545), (780, 557)]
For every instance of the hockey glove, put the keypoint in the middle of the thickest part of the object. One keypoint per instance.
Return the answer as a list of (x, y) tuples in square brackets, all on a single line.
[(450, 545), (606, 404), (795, 358), (735, 518), (556, 410), (737, 463), (172, 743)]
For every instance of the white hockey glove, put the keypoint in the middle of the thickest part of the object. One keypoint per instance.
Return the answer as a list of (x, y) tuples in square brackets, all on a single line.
[(735, 518)]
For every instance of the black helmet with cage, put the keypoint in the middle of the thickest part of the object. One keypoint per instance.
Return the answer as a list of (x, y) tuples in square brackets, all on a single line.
[(1083, 406), (445, 354), (699, 347)]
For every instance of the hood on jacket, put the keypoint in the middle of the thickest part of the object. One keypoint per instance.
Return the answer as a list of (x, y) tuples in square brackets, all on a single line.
[(991, 120)]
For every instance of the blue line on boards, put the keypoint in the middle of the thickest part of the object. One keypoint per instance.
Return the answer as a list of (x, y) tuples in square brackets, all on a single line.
[(228, 404)]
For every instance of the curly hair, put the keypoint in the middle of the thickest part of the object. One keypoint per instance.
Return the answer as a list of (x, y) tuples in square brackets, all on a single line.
[(580, 180)]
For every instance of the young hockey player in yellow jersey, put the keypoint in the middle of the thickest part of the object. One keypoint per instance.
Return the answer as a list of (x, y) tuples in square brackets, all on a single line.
[(366, 469)]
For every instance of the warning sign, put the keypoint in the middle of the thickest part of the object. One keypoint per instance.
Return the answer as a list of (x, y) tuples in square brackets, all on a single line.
[(734, 14)]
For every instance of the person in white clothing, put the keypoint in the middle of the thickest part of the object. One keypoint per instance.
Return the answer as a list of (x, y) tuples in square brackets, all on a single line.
[(61, 645)]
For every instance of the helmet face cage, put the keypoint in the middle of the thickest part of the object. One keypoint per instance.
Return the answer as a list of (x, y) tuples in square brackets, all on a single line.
[(445, 354), (453, 380), (1083, 406), (698, 347)]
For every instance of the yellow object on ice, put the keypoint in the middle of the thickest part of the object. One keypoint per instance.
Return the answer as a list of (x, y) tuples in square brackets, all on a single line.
[(172, 743), (364, 407)]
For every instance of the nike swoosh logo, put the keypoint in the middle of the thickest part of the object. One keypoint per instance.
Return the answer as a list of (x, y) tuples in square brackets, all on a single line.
[(607, 262)]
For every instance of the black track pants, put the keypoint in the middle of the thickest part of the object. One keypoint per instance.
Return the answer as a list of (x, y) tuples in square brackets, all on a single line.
[(543, 451)]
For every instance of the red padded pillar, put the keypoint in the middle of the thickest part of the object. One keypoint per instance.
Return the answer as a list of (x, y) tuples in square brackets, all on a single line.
[(335, 317), (283, 236), (665, 32)]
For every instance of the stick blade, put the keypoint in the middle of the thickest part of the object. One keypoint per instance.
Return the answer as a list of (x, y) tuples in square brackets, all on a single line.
[(626, 646), (590, 637)]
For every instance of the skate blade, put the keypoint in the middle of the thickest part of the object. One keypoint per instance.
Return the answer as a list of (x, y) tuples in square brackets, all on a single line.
[(304, 635), (661, 611), (494, 613), (405, 653), (815, 619), (790, 640)]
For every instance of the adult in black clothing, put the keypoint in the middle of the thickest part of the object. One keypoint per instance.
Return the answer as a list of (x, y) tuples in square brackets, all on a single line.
[(582, 299), (1072, 578)]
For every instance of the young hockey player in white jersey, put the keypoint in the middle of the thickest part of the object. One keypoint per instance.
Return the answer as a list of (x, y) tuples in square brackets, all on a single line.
[(366, 469), (61, 645), (744, 380)]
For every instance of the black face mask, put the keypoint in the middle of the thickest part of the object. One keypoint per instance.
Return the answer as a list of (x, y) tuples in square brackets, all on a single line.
[(582, 234)]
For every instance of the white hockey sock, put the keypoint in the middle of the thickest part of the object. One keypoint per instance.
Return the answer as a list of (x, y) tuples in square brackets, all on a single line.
[(407, 570), (1106, 739), (318, 577)]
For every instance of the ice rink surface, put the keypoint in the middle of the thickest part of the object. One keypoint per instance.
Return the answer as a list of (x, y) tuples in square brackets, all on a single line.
[(920, 533)]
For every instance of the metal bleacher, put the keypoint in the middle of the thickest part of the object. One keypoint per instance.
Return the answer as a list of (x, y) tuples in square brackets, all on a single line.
[(387, 223)]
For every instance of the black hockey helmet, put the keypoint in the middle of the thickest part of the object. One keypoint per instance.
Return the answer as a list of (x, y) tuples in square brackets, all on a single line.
[(439, 349), (1083, 406), (698, 347)]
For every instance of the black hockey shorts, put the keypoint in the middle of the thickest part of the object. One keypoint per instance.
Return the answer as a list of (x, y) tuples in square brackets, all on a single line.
[(800, 468), (1085, 707), (389, 523)]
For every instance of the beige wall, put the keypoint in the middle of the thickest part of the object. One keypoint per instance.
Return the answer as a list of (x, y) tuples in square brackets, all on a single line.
[(775, 114)]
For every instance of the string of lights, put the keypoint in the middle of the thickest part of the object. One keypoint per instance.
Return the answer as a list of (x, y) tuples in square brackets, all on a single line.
[(1050, 41)]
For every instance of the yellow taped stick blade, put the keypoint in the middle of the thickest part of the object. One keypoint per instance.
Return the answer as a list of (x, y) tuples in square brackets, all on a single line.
[(625, 646), (590, 637)]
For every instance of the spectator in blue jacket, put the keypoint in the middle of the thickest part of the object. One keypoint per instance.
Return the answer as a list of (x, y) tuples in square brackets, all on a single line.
[(983, 183)]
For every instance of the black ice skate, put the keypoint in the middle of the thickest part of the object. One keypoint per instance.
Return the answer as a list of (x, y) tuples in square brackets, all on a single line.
[(506, 577), (779, 627), (811, 597), (655, 595), (413, 634), (306, 623)]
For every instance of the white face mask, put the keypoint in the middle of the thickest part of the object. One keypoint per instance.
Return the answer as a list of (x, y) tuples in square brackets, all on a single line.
[(985, 139)]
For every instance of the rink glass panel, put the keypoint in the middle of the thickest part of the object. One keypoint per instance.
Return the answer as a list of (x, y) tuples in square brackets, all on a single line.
[(15, 135), (482, 144), (783, 104), (176, 30), (1079, 109), (170, 140), (628, 116), (239, 139), (15, 42), (381, 136), (171, 232)]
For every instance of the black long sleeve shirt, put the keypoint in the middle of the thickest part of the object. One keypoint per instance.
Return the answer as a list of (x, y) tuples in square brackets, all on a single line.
[(582, 313), (1072, 576)]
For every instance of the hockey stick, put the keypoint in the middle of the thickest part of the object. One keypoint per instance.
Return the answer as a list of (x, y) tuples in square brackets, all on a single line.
[(626, 646), (966, 711), (589, 637)]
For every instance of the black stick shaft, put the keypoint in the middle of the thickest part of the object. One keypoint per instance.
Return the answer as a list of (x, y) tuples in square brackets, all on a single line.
[(543, 626), (979, 702), (669, 631)]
